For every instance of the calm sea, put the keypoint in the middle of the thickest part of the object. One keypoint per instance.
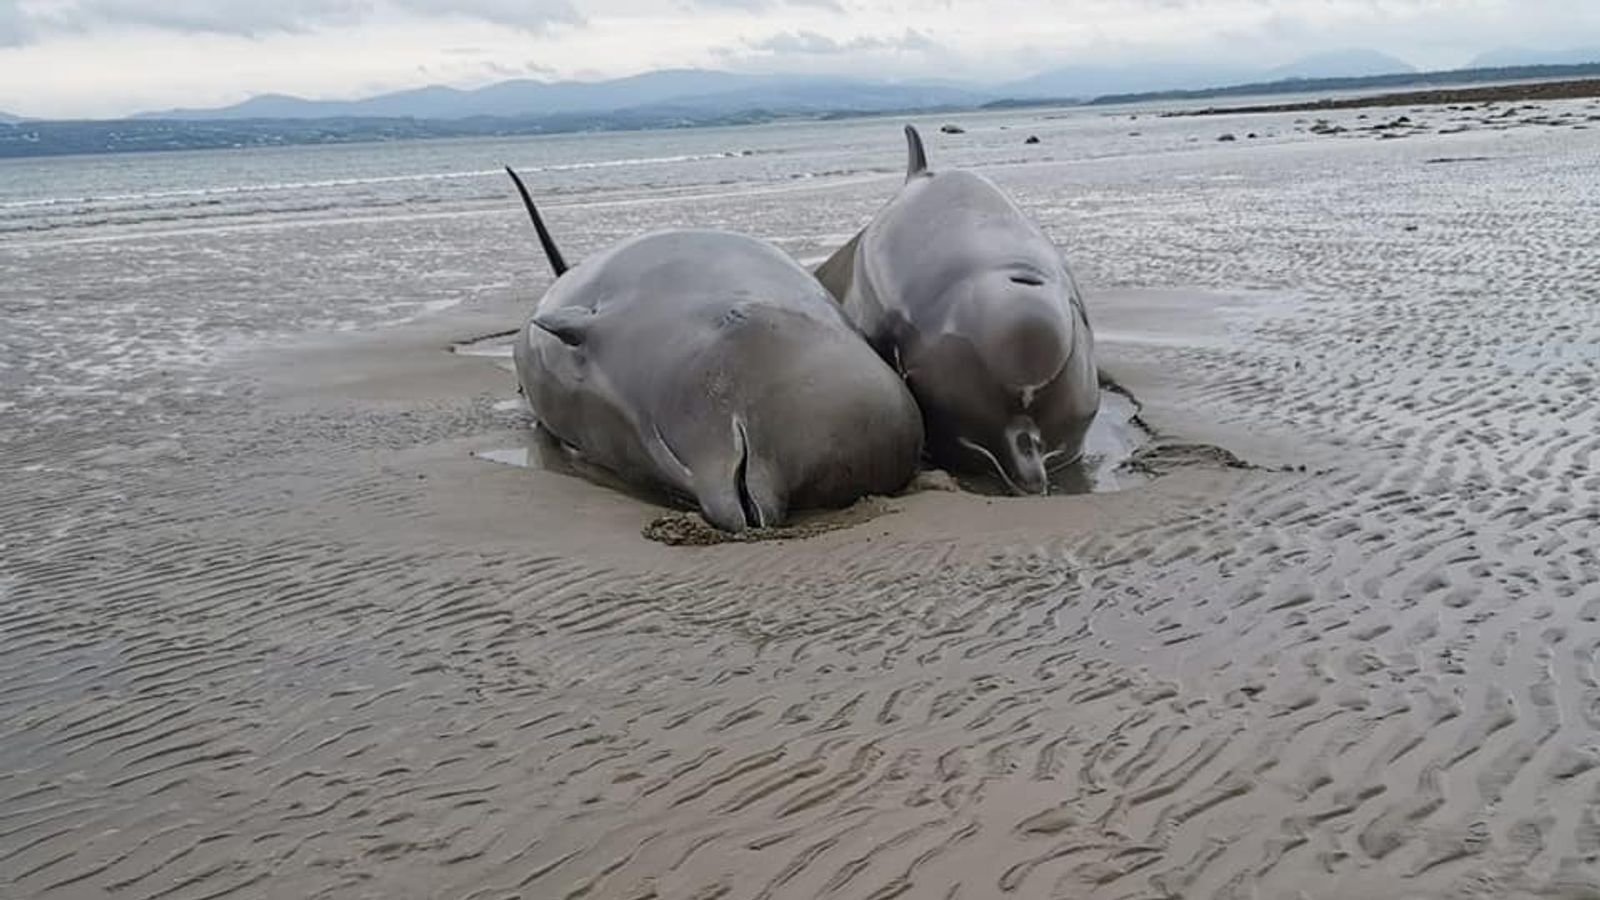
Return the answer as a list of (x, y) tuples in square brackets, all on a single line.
[(119, 265), (122, 273)]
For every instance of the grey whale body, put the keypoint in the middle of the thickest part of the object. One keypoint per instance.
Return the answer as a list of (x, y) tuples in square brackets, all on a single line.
[(974, 305), (713, 366)]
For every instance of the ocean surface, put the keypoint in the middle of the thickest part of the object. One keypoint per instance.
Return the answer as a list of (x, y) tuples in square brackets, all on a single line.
[(124, 274), (119, 263), (122, 265)]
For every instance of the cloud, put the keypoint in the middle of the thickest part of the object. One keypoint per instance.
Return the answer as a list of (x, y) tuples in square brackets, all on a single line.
[(529, 15), (763, 5), (797, 42), (109, 56), (812, 43), (16, 27), (21, 24), (231, 17)]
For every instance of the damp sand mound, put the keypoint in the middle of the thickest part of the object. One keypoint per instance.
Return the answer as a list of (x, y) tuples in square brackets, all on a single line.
[(270, 630), (690, 529)]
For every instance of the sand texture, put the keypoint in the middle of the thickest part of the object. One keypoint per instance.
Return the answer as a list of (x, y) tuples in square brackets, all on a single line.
[(269, 629)]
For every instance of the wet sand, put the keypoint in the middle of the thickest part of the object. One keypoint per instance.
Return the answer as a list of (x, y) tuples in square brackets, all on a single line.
[(281, 634)]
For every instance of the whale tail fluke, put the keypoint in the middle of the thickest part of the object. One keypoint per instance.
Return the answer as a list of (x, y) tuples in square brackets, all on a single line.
[(916, 157), (551, 251)]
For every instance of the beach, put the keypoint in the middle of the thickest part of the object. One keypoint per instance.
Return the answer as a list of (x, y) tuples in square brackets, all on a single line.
[(270, 628)]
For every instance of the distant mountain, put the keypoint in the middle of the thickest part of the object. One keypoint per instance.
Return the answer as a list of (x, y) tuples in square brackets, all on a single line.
[(705, 91), (827, 95), (8, 119), (1085, 82), (746, 102), (696, 89), (1522, 56), (1353, 63)]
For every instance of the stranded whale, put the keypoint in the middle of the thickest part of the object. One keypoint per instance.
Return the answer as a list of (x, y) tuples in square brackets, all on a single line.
[(972, 303), (714, 366)]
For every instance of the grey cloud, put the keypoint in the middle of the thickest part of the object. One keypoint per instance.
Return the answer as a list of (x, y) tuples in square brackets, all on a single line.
[(760, 5), (529, 15), (231, 17), (14, 28), (811, 43), (255, 18), (798, 42)]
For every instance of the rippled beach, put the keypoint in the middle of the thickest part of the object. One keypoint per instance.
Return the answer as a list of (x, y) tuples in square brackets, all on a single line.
[(269, 627)]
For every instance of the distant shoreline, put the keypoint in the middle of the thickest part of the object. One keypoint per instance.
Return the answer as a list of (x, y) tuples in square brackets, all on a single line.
[(50, 138), (1501, 93), (38, 139)]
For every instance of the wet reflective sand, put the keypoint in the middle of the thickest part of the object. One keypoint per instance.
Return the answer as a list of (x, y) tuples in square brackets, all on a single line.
[(268, 628)]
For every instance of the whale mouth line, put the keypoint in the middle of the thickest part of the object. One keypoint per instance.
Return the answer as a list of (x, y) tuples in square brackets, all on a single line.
[(747, 503)]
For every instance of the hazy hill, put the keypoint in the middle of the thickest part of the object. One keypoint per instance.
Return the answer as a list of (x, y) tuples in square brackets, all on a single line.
[(704, 90), (1522, 56), (1086, 82), (828, 95), (689, 98), (685, 88), (8, 119), (1354, 63)]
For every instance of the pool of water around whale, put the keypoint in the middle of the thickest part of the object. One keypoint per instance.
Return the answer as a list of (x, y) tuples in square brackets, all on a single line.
[(1114, 437)]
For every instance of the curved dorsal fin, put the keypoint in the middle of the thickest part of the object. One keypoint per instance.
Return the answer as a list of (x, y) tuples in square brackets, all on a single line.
[(551, 252), (916, 157)]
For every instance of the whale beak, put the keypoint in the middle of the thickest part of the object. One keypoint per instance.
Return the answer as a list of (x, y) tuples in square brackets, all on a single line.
[(744, 498), (1019, 462), (1024, 458)]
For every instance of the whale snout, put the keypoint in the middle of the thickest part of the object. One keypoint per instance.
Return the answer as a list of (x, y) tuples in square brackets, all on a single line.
[(1017, 454), (746, 493), (816, 421), (1026, 451)]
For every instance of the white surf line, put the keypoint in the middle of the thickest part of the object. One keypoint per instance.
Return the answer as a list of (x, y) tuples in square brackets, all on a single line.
[(271, 187), (797, 186)]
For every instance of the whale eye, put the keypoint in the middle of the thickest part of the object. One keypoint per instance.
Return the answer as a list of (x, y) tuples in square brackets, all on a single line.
[(1029, 280)]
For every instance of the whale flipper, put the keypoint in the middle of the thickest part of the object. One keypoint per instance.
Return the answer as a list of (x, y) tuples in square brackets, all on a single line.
[(837, 273), (570, 324)]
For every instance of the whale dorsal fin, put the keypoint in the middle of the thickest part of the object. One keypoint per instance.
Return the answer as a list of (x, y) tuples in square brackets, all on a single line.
[(551, 252), (916, 157)]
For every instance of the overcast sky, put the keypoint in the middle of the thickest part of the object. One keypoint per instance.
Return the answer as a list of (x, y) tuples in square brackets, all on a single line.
[(109, 57)]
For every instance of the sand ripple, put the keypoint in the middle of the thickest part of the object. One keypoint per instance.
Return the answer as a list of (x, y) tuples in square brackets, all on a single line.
[(305, 646)]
